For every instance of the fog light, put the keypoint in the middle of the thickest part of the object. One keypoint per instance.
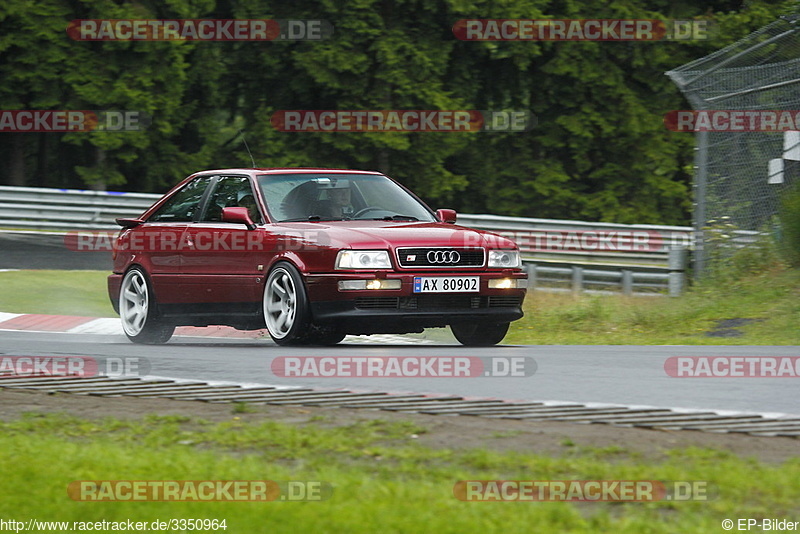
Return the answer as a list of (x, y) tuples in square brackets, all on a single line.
[(355, 285), (508, 283), (350, 285), (384, 284)]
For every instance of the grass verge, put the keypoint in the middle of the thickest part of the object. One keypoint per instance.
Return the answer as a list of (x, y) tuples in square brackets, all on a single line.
[(56, 293), (383, 480), (770, 299)]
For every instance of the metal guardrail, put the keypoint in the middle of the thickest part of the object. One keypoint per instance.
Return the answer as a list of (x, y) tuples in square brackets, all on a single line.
[(580, 256), (40, 208), (586, 242), (559, 254)]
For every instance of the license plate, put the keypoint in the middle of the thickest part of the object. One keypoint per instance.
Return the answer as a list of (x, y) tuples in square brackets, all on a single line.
[(446, 284)]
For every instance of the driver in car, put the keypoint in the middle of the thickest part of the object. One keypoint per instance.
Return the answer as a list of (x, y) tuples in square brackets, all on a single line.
[(337, 205)]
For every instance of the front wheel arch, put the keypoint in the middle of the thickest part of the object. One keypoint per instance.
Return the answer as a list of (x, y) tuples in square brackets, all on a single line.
[(285, 305)]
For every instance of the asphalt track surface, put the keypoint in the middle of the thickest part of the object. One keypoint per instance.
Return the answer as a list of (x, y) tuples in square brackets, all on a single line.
[(626, 375), (38, 250)]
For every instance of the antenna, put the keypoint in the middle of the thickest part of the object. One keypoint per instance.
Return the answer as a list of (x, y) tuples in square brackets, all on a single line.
[(248, 149)]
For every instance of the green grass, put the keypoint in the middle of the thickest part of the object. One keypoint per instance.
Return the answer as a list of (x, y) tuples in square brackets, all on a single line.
[(56, 293), (383, 480), (772, 298)]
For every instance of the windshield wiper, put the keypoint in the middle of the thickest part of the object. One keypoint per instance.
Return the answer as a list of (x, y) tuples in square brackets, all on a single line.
[(396, 218), (303, 219), (314, 218)]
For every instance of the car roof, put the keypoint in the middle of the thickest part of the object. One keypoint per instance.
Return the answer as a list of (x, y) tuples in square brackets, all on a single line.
[(281, 170)]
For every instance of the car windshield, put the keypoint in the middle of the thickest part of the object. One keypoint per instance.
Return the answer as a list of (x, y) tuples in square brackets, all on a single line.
[(333, 197)]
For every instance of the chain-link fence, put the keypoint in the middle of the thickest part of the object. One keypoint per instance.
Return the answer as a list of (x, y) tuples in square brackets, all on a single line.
[(740, 175)]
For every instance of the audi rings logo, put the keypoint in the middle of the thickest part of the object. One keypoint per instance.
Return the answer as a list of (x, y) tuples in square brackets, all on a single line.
[(443, 256)]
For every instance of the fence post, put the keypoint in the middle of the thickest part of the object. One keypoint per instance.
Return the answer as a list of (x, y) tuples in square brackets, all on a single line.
[(677, 270), (577, 279), (627, 282), (700, 186), (530, 268)]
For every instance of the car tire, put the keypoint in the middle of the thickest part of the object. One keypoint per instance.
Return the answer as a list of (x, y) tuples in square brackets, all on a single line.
[(477, 335), (139, 312), (285, 305), (325, 337)]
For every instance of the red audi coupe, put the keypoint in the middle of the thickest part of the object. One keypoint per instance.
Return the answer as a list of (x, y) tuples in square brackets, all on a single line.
[(313, 255)]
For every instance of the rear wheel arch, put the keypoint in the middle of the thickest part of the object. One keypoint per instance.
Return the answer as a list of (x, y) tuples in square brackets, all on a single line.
[(138, 309)]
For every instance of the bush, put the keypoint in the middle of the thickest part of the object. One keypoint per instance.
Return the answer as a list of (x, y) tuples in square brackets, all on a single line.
[(730, 261), (789, 233)]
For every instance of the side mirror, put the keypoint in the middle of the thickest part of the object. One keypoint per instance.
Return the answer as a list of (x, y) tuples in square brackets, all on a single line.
[(238, 215), (128, 222), (446, 216)]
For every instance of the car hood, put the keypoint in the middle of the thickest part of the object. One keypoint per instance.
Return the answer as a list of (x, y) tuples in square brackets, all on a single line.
[(391, 235)]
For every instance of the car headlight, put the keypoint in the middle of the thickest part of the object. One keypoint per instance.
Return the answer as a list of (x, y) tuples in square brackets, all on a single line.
[(363, 259), (504, 258)]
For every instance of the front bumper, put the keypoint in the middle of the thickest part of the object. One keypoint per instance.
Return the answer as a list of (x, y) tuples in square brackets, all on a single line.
[(402, 310)]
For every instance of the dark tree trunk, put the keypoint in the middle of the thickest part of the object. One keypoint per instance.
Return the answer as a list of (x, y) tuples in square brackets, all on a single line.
[(100, 162), (16, 161), (40, 178)]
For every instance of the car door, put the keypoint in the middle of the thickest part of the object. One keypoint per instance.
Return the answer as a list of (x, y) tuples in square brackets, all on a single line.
[(222, 263), (157, 242)]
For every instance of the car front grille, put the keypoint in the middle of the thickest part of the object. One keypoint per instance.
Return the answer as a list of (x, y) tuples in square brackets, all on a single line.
[(440, 258), (433, 302), (504, 302), (372, 303)]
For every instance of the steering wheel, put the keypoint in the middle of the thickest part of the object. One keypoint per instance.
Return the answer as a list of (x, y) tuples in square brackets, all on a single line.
[(366, 210)]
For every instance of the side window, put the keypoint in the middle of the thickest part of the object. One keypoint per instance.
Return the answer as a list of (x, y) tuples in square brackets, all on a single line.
[(183, 205), (231, 191)]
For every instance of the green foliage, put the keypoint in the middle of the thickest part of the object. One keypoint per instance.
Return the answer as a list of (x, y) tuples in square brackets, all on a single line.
[(731, 256), (242, 407), (378, 484), (752, 285), (56, 292), (769, 294), (600, 150), (789, 217)]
